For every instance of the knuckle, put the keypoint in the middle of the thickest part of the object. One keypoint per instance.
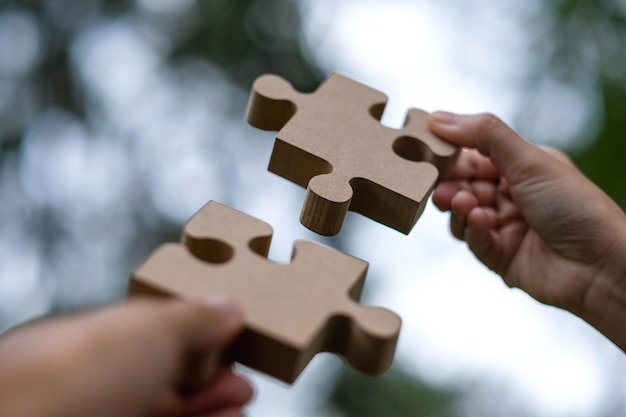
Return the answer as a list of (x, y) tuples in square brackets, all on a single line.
[(488, 122)]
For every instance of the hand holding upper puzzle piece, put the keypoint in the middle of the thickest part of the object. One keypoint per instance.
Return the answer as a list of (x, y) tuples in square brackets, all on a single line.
[(291, 311), (331, 142)]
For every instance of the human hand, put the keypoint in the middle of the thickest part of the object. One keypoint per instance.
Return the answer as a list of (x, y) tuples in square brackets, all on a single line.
[(528, 214), (123, 361)]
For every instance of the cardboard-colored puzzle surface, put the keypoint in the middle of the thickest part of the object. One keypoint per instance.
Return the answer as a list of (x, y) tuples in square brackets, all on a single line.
[(331, 142), (292, 311)]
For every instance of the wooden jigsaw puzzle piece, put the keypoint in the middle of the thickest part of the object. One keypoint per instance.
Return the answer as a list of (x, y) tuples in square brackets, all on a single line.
[(292, 311), (331, 142)]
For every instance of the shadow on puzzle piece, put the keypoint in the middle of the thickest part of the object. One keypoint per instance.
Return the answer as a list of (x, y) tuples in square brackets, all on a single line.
[(292, 311), (331, 142)]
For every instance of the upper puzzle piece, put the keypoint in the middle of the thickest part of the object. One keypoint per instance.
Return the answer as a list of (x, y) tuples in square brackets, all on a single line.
[(291, 311), (331, 142)]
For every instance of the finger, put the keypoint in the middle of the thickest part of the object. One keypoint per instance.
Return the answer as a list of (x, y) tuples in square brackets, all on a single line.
[(508, 211), (443, 194), (228, 390), (472, 165), (461, 204), (484, 191), (484, 132), (204, 328), (202, 325), (481, 236), (510, 153)]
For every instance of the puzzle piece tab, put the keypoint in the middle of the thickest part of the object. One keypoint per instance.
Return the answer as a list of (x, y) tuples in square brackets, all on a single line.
[(331, 142), (292, 311)]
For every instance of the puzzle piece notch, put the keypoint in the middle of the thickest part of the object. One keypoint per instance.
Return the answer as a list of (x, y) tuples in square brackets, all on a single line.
[(335, 133), (292, 311), (420, 144)]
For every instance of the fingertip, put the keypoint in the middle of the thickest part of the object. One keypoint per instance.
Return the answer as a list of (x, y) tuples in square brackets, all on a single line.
[(440, 203), (452, 127), (478, 219), (462, 202), (445, 125), (225, 306), (443, 118), (442, 195)]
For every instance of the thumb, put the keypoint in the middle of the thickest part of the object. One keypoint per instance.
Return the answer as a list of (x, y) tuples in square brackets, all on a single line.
[(512, 155), (201, 325)]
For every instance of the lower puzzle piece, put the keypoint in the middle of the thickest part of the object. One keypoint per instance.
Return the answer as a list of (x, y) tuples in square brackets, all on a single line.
[(292, 311), (331, 142)]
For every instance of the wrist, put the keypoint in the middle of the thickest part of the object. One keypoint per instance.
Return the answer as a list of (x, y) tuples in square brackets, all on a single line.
[(604, 306)]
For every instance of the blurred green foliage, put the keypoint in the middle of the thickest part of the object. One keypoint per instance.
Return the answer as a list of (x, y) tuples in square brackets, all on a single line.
[(583, 47), (603, 161), (243, 37), (395, 393), (247, 38)]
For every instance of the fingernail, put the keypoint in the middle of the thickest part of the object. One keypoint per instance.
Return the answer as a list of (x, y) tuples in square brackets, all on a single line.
[(444, 117), (223, 304)]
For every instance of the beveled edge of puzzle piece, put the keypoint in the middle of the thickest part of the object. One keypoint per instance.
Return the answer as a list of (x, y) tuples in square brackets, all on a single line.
[(325, 216), (272, 102), (371, 348), (324, 212)]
